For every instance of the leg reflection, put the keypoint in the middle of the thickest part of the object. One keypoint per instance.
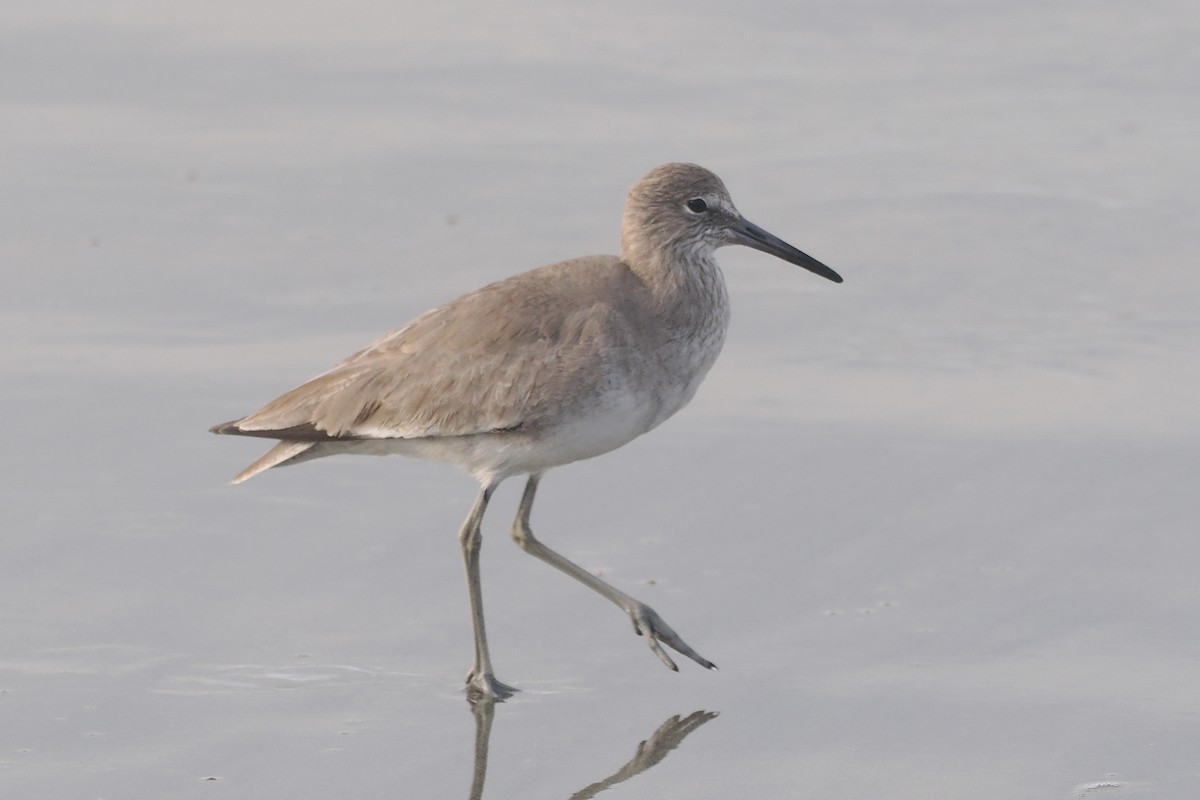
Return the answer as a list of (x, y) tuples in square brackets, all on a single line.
[(648, 753), (484, 711)]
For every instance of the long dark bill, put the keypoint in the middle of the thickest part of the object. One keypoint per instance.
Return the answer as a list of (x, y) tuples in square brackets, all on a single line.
[(751, 235)]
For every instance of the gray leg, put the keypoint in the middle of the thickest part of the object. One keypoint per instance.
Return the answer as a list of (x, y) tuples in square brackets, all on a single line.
[(481, 682), (645, 620)]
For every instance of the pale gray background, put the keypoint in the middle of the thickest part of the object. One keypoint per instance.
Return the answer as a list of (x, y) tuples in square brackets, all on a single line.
[(937, 525)]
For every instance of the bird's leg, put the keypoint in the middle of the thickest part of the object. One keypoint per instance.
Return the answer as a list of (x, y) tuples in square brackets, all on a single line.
[(481, 682), (645, 620)]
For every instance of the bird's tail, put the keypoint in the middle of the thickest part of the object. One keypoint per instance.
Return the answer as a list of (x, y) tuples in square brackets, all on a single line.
[(281, 453)]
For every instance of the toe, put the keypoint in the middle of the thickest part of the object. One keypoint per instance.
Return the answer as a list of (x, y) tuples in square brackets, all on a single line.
[(485, 687)]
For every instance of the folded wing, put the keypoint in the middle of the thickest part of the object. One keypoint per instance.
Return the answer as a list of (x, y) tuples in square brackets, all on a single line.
[(482, 363)]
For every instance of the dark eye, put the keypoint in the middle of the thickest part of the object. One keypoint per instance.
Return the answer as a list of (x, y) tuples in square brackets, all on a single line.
[(697, 206)]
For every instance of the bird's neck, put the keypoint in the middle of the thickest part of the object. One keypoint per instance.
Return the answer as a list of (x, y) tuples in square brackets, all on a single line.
[(687, 288)]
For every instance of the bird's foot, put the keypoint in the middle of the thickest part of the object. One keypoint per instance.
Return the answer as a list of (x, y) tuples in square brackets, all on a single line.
[(647, 622), (483, 686)]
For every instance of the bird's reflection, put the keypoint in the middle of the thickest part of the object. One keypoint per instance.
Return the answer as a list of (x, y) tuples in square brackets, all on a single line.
[(649, 751)]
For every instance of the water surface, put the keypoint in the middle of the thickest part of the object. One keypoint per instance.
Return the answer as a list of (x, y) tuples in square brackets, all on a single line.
[(936, 525)]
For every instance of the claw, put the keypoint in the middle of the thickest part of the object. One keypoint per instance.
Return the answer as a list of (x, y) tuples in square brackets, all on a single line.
[(647, 621), (662, 655)]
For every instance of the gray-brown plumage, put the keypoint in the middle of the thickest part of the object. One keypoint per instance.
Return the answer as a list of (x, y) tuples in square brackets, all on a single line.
[(544, 368)]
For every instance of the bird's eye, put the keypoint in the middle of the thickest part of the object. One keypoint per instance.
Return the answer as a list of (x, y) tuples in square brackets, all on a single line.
[(697, 206)]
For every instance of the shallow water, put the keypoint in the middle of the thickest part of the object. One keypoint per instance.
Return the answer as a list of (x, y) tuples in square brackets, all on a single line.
[(936, 525)]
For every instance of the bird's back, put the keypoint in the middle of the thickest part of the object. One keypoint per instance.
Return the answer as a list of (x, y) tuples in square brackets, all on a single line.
[(517, 354)]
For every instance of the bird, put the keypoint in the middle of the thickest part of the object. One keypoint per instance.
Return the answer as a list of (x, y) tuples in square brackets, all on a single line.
[(547, 367)]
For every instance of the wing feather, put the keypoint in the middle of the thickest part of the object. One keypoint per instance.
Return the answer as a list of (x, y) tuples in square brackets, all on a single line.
[(497, 359)]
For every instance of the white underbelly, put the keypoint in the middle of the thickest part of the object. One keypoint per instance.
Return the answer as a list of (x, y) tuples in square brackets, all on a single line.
[(590, 426), (608, 423)]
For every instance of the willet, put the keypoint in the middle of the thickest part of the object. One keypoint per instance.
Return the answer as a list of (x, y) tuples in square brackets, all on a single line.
[(550, 366)]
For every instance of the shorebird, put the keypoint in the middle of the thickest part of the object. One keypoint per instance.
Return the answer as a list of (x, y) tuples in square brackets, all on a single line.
[(547, 367)]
